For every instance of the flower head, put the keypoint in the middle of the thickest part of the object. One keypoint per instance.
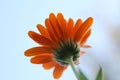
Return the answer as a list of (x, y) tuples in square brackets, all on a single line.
[(59, 41)]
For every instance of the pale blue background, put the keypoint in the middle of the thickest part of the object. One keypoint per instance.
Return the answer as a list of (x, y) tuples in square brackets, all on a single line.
[(17, 17)]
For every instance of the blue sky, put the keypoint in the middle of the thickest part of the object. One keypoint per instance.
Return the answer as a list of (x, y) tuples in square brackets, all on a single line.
[(17, 17)]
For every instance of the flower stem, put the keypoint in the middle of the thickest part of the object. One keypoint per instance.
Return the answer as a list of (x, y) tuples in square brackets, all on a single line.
[(74, 69)]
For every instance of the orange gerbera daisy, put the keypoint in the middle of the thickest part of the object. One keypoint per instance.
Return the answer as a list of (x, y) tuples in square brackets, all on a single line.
[(59, 41)]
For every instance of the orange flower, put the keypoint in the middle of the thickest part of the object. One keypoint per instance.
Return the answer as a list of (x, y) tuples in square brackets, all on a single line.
[(59, 41)]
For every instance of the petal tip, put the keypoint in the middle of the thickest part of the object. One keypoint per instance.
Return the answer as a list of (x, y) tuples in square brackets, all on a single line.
[(51, 14), (30, 33), (25, 53), (38, 25), (91, 19)]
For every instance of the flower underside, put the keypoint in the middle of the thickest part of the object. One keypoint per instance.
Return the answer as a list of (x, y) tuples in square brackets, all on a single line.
[(60, 42), (65, 51)]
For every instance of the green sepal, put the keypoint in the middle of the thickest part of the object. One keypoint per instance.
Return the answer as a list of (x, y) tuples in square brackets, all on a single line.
[(100, 74)]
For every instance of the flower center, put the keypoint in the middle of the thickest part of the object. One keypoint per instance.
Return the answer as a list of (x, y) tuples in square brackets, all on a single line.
[(65, 51)]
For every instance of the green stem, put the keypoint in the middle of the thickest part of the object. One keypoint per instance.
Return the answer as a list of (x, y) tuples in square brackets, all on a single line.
[(74, 69)]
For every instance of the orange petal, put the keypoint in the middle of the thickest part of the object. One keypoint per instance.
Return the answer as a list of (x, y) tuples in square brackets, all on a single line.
[(62, 22), (58, 71), (83, 29), (82, 53), (50, 30), (85, 37), (77, 25), (55, 25), (42, 58), (49, 65), (43, 30), (40, 39), (85, 46), (70, 26), (37, 50)]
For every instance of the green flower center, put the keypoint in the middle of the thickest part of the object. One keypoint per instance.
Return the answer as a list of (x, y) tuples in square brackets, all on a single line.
[(65, 51)]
